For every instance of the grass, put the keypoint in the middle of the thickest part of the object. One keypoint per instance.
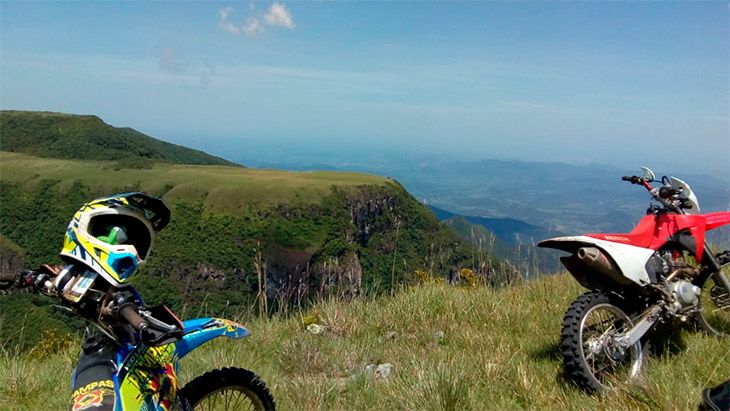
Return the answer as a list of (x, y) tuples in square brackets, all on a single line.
[(224, 188), (499, 350)]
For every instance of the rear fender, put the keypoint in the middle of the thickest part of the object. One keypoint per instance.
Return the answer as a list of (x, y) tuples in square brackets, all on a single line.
[(567, 244), (630, 260), (201, 330)]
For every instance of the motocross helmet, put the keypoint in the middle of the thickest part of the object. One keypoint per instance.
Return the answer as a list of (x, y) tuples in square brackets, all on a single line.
[(113, 236)]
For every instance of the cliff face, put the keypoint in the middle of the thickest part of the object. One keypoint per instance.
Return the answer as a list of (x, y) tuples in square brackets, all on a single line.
[(296, 276), (365, 209), (12, 257), (356, 241)]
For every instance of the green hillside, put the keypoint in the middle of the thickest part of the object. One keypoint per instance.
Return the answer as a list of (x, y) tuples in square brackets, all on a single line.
[(499, 351), (315, 234), (222, 188), (87, 137)]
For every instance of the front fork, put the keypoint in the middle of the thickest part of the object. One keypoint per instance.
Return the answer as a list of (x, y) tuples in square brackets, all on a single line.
[(715, 263), (723, 281)]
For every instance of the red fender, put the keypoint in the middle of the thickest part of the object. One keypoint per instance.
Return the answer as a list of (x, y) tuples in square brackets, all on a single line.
[(718, 219), (653, 231)]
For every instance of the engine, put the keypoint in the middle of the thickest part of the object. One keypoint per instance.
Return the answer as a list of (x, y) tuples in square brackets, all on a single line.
[(685, 293), (674, 277)]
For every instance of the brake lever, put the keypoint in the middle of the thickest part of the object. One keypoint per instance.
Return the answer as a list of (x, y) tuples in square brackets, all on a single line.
[(157, 324), (157, 332)]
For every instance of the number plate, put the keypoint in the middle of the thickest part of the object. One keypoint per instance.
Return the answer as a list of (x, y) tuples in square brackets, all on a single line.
[(83, 283)]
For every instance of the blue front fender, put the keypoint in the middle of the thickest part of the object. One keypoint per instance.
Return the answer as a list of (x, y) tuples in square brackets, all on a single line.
[(201, 330)]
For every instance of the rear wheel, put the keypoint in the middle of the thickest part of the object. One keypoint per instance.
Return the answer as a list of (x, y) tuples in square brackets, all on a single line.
[(227, 389), (592, 357), (713, 315)]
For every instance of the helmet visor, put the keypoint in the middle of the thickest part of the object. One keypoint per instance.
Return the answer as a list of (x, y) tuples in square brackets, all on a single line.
[(154, 209), (120, 229)]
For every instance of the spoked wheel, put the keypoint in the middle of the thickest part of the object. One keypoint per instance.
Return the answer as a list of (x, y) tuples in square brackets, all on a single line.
[(714, 309), (592, 355), (227, 389)]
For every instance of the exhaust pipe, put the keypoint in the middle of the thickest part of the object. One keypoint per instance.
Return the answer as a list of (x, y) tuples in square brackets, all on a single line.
[(599, 261)]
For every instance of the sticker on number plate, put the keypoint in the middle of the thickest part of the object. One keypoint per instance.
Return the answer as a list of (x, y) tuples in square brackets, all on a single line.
[(82, 285)]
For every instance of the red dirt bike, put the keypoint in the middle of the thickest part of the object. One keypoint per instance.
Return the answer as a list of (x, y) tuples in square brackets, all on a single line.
[(662, 271)]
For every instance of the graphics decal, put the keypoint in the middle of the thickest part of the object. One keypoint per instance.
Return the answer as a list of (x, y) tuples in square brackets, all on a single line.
[(92, 395)]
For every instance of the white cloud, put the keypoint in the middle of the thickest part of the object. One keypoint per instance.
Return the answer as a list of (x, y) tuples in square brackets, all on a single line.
[(279, 16), (276, 16), (225, 12), (253, 26), (225, 24)]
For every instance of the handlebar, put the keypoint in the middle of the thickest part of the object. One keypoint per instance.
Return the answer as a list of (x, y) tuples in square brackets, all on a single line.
[(152, 331), (130, 314), (634, 179), (665, 195), (638, 180), (26, 279)]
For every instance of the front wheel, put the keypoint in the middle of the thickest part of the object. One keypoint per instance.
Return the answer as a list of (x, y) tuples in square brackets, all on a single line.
[(592, 356), (227, 389)]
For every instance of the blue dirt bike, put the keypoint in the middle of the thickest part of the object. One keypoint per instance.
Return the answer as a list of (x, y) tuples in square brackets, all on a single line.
[(132, 363)]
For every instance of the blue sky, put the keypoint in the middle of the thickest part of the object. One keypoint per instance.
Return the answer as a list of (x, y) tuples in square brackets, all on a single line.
[(615, 83)]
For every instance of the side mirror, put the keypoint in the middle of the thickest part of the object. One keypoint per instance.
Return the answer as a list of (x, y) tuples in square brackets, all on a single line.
[(648, 174)]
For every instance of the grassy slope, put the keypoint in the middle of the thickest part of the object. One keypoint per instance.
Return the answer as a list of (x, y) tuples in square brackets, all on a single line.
[(500, 352), (60, 135), (224, 188)]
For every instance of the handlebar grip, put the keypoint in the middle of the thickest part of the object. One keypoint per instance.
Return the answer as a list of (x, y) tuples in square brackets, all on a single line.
[(626, 178), (130, 314)]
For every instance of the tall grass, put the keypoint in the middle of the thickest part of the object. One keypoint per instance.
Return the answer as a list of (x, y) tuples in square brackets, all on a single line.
[(452, 348)]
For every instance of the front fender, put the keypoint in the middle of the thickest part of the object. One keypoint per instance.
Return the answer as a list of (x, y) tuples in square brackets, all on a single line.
[(201, 330)]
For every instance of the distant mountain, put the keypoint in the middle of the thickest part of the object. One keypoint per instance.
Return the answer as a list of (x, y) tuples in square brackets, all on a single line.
[(558, 198), (87, 137), (504, 238), (509, 230)]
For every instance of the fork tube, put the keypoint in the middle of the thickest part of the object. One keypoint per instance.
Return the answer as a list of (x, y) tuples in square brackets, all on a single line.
[(722, 280), (716, 268)]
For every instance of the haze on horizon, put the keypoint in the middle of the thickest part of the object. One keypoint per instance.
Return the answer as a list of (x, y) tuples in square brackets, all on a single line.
[(614, 83)]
